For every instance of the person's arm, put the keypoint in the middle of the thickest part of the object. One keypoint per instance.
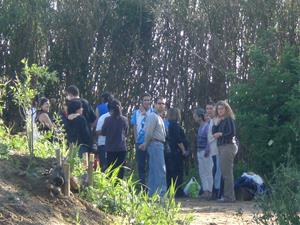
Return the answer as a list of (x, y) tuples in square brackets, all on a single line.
[(150, 125), (230, 128), (207, 149), (44, 119), (97, 112)]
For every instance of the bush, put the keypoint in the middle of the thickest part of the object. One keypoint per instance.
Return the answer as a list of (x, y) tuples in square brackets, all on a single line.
[(281, 204), (268, 108)]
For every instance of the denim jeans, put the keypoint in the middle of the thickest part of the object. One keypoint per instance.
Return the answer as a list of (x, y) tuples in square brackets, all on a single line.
[(102, 157), (217, 175), (141, 162), (157, 169)]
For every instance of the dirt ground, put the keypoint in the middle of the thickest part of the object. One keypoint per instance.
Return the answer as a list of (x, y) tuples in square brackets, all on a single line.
[(24, 199), (214, 213)]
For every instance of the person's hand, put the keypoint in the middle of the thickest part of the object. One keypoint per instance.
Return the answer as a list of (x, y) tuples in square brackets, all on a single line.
[(142, 147), (217, 135), (186, 153)]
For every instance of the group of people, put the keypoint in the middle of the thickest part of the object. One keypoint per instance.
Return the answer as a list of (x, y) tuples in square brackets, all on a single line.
[(160, 141)]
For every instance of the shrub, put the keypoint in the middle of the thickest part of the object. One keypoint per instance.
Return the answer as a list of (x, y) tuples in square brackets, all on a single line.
[(281, 204)]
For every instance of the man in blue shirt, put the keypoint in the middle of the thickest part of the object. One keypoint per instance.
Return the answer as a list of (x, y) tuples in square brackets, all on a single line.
[(138, 119)]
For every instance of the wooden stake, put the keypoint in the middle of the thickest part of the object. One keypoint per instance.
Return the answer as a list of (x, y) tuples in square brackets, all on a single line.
[(58, 156), (85, 160), (91, 170), (66, 188)]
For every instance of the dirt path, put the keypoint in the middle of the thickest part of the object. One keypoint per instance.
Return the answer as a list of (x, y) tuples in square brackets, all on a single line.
[(214, 213)]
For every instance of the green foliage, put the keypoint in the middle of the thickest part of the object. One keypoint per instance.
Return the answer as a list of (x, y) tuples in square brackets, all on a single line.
[(267, 108), (120, 197), (31, 82), (281, 205)]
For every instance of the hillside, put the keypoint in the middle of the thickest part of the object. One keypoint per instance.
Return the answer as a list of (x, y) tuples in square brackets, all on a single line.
[(25, 199)]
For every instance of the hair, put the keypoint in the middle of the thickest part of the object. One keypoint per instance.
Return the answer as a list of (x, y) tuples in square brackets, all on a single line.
[(115, 108), (228, 110), (106, 97), (200, 113), (145, 95), (174, 114), (73, 106), (42, 101), (210, 103), (73, 90), (158, 98)]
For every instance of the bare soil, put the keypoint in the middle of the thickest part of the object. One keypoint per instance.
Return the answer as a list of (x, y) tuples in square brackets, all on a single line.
[(25, 199), (215, 213)]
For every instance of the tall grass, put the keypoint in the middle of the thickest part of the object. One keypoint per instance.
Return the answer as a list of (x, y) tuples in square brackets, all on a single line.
[(120, 197)]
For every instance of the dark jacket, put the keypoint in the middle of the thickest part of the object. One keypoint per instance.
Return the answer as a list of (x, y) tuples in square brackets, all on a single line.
[(78, 131), (175, 136), (88, 111), (227, 128)]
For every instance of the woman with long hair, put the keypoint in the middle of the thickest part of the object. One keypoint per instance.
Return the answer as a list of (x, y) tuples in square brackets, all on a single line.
[(42, 115), (115, 129), (177, 142), (224, 132)]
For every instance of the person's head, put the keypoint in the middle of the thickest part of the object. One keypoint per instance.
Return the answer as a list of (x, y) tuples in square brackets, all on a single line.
[(209, 108), (160, 104), (223, 109), (146, 101), (72, 92), (199, 115), (75, 106), (44, 104), (106, 97), (115, 108), (174, 114)]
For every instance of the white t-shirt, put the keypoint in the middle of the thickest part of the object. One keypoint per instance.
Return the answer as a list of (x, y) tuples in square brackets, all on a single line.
[(101, 139), (212, 142)]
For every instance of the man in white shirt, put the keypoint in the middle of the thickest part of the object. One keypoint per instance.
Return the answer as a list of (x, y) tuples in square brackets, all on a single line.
[(101, 141)]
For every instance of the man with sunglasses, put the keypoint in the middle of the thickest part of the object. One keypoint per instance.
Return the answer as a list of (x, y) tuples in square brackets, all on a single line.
[(155, 136), (138, 119)]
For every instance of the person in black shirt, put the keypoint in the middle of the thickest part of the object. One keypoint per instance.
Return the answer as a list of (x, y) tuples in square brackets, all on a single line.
[(78, 131), (177, 143), (88, 112), (115, 129), (224, 131)]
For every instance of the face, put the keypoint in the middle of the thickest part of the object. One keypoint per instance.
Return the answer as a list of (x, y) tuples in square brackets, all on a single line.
[(46, 106), (221, 110), (146, 102), (70, 96), (160, 105), (79, 111), (210, 111), (196, 118)]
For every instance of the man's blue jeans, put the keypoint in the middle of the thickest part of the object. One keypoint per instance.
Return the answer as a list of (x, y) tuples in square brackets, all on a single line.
[(141, 161), (157, 169)]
